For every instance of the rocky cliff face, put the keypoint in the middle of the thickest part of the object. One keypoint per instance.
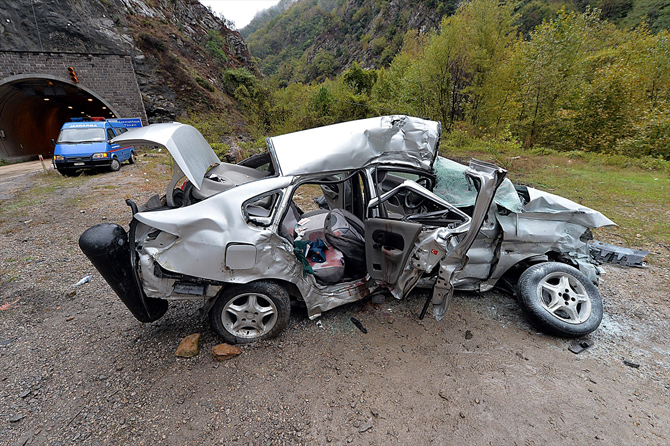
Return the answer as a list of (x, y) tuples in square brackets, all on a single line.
[(179, 47)]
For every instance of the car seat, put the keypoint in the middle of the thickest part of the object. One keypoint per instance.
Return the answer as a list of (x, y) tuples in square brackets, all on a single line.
[(346, 232)]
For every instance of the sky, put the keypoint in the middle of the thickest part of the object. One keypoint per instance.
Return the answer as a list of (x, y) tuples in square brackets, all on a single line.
[(239, 11)]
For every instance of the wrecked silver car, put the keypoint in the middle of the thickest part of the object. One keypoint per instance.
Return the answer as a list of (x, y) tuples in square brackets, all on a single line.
[(330, 215)]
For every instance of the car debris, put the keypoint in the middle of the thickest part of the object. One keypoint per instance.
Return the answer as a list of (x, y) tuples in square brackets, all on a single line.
[(631, 364), (82, 281), (605, 252), (359, 325), (580, 345), (385, 211)]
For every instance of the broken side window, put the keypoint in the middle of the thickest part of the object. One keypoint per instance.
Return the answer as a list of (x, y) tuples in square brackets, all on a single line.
[(260, 210)]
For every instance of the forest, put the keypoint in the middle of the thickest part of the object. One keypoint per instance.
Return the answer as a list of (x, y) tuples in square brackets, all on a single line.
[(576, 82)]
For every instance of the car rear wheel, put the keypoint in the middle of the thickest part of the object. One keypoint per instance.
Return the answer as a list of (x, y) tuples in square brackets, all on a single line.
[(131, 160), (116, 165), (243, 314), (560, 300)]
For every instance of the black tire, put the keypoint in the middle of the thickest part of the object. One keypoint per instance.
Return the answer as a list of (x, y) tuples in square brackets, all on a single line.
[(237, 315), (573, 310), (67, 172), (115, 166), (131, 160)]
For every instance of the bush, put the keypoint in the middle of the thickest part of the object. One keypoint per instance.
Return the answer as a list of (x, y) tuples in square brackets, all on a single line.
[(204, 84), (220, 149), (214, 44)]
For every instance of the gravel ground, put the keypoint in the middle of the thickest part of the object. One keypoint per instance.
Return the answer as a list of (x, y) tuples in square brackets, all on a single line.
[(77, 368)]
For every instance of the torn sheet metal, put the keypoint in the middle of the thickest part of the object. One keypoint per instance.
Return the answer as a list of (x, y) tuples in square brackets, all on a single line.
[(550, 206), (206, 228), (528, 235), (605, 252), (320, 298), (489, 177), (402, 140)]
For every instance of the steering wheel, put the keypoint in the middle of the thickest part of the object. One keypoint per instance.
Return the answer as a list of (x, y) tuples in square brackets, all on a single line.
[(413, 200)]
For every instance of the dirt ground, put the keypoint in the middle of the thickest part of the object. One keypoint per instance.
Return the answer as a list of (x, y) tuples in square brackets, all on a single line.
[(79, 369)]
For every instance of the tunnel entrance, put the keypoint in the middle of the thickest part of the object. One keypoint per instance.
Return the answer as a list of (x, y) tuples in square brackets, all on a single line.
[(33, 109)]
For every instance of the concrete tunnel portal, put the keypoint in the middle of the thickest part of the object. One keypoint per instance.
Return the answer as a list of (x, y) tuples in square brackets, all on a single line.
[(33, 108), (41, 90)]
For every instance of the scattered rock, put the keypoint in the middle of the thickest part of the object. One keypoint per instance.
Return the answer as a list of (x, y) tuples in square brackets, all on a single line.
[(16, 418), (378, 298), (25, 393), (189, 347), (389, 319), (71, 318), (468, 334), (234, 155), (461, 414), (23, 440), (365, 428), (222, 352)]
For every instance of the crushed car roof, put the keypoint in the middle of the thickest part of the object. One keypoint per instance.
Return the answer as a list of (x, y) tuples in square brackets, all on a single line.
[(351, 145)]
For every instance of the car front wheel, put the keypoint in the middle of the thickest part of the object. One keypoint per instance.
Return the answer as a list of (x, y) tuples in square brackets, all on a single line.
[(243, 314), (560, 300)]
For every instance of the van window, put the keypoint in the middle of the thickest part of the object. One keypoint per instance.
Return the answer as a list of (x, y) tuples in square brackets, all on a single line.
[(75, 135), (110, 134)]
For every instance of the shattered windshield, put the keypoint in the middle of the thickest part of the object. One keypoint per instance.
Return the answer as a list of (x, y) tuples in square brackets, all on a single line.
[(452, 186), (95, 134)]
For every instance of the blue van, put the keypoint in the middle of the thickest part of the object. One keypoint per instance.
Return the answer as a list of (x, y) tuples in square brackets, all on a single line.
[(84, 143)]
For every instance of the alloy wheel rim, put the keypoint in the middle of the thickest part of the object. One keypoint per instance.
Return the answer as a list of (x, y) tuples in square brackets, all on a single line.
[(565, 298), (249, 315)]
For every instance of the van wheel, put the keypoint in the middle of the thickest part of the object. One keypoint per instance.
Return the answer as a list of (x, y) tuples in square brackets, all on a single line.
[(131, 160), (248, 313), (116, 165), (67, 172)]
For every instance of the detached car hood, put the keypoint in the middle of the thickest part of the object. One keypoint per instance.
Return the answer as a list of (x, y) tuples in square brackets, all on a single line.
[(351, 145), (188, 147)]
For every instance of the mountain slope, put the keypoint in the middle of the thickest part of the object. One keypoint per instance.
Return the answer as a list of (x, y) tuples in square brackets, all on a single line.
[(314, 39), (306, 40)]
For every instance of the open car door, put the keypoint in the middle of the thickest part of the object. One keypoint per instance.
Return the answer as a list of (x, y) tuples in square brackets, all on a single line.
[(428, 233)]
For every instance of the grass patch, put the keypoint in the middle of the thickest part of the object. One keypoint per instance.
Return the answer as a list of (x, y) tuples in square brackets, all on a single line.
[(632, 192), (41, 194)]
